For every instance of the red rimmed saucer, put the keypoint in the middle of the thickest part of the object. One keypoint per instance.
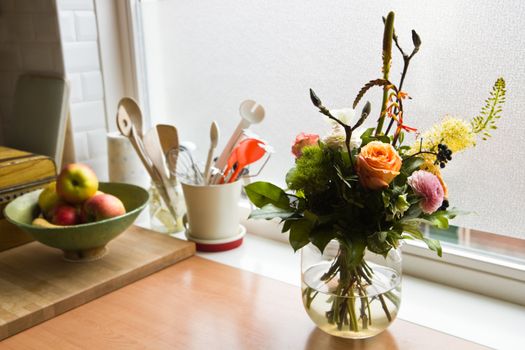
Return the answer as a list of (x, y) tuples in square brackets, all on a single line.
[(218, 245)]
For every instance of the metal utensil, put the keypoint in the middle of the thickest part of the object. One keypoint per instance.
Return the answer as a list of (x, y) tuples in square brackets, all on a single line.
[(187, 169), (169, 141), (251, 113), (214, 139)]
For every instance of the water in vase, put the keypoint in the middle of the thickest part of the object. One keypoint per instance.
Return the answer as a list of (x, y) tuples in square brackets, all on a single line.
[(361, 309)]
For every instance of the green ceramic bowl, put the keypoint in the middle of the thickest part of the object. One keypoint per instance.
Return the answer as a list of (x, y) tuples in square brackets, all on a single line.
[(79, 242)]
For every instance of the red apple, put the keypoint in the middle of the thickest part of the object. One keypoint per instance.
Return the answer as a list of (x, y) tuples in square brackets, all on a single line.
[(76, 183), (65, 215), (102, 206)]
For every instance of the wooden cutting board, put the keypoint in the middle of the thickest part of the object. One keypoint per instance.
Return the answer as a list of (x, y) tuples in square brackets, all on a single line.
[(37, 284)]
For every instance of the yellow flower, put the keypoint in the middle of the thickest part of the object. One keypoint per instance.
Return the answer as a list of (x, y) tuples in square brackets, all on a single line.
[(456, 133)]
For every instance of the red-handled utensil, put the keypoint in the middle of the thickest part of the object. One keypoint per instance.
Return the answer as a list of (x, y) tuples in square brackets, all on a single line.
[(247, 152)]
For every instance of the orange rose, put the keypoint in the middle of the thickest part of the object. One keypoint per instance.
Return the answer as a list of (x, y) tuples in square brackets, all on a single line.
[(377, 165)]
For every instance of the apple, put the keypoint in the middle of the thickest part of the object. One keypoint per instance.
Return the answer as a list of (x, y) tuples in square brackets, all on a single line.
[(102, 206), (48, 200), (65, 215), (76, 183)]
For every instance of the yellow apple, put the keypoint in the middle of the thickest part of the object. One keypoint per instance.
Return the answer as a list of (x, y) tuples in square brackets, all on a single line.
[(76, 183), (48, 199)]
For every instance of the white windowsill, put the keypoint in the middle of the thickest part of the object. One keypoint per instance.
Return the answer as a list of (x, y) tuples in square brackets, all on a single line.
[(467, 315)]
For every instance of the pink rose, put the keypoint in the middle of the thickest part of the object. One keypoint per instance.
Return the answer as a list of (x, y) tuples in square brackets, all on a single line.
[(427, 186), (303, 140)]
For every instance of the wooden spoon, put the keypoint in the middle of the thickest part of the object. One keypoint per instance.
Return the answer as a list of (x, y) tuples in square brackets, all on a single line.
[(214, 139), (169, 142)]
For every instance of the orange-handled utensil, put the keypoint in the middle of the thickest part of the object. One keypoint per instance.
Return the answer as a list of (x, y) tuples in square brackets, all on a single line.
[(247, 152)]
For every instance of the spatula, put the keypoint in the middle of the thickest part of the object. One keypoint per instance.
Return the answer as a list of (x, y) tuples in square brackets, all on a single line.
[(169, 142)]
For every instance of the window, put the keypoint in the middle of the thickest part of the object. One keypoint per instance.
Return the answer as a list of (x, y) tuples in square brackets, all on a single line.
[(203, 58)]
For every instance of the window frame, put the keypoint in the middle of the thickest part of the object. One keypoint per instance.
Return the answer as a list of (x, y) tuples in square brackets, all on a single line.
[(459, 267)]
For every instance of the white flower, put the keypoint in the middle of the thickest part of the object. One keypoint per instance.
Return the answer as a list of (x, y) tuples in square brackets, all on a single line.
[(344, 115), (336, 138)]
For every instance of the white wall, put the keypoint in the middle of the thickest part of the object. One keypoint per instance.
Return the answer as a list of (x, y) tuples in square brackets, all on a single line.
[(205, 57), (79, 34)]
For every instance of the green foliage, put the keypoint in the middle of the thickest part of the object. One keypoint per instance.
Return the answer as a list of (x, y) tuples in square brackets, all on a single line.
[(486, 120), (368, 136), (262, 193), (270, 211), (299, 233)]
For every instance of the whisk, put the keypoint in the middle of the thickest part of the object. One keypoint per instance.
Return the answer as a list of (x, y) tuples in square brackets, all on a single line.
[(187, 170)]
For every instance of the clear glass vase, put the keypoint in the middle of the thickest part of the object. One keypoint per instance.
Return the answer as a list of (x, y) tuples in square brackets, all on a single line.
[(161, 219), (348, 299)]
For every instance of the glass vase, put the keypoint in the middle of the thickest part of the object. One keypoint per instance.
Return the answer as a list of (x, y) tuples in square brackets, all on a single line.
[(350, 299), (161, 219)]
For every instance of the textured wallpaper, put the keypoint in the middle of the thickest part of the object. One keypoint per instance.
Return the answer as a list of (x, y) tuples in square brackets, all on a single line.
[(205, 57)]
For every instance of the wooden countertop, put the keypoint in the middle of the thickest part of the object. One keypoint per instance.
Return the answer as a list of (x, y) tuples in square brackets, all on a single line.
[(200, 304)]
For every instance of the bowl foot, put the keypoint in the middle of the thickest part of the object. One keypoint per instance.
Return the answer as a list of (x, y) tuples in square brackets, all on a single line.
[(85, 255)]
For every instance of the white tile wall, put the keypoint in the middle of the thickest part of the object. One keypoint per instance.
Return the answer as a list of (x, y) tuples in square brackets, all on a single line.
[(97, 142), (65, 5), (87, 116), (75, 83), (81, 146), (86, 25), (81, 56), (29, 42), (67, 26), (92, 86), (78, 30)]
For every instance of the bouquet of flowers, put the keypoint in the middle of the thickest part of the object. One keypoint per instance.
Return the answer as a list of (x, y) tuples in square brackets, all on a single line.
[(369, 191)]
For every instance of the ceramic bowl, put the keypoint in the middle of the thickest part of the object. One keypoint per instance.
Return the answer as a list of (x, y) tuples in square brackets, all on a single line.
[(83, 242)]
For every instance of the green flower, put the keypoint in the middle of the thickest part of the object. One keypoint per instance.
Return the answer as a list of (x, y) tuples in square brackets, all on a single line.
[(311, 173)]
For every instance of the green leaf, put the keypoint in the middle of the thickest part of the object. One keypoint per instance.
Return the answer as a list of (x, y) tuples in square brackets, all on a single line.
[(299, 233), (411, 164), (270, 211), (262, 193), (357, 252), (433, 244), (320, 236), (439, 221), (286, 226), (413, 230), (366, 137), (376, 243)]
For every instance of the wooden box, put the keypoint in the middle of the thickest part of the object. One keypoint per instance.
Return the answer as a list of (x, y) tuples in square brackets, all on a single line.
[(20, 172)]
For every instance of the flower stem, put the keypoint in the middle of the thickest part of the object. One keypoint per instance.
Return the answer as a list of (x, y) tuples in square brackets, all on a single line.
[(385, 308), (387, 60)]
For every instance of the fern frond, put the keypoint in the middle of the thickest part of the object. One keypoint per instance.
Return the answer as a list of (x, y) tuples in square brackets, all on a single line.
[(491, 111)]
